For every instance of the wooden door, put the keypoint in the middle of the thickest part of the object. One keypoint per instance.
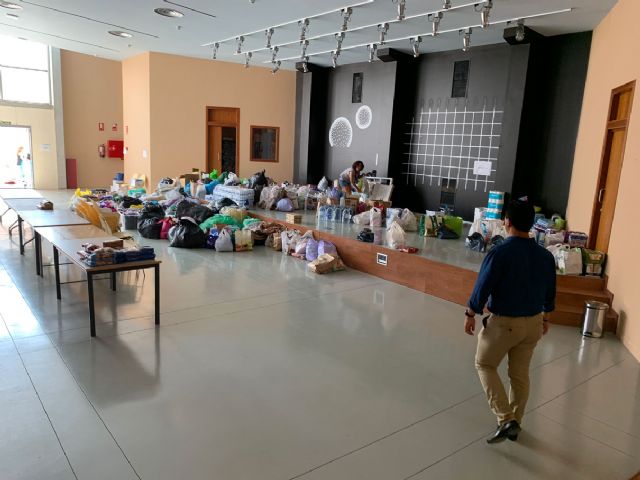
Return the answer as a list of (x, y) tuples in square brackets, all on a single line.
[(221, 122), (615, 140)]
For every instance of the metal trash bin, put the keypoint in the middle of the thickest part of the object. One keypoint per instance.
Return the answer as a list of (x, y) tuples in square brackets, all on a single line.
[(595, 314)]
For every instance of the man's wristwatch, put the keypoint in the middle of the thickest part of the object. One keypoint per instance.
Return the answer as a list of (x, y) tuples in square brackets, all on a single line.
[(469, 313)]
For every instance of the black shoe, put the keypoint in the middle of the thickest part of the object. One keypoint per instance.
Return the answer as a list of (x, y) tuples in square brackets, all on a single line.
[(508, 430)]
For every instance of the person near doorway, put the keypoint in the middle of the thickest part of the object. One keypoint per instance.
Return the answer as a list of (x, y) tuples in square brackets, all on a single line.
[(518, 280), (349, 178), (20, 162)]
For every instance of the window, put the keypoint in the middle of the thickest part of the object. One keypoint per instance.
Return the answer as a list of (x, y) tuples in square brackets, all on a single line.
[(264, 144), (24, 71)]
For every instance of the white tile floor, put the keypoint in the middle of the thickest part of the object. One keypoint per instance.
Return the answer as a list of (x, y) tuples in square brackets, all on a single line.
[(261, 370)]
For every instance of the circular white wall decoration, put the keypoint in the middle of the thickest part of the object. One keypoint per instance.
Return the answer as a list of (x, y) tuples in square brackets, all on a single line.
[(341, 133), (364, 117)]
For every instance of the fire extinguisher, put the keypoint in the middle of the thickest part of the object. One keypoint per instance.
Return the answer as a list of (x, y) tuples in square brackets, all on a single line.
[(102, 151)]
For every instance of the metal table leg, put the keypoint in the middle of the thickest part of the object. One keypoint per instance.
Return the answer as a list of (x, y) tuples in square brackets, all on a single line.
[(38, 244), (92, 311), (56, 266), (20, 235), (157, 293), (113, 281)]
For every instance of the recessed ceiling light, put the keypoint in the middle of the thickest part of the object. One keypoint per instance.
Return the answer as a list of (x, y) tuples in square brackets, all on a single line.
[(118, 33), (13, 16), (10, 5), (169, 12)]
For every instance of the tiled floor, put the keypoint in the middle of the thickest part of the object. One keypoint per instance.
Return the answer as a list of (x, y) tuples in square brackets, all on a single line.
[(261, 370)]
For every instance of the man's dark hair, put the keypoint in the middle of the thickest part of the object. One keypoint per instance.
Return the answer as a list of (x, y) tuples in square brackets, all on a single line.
[(521, 214)]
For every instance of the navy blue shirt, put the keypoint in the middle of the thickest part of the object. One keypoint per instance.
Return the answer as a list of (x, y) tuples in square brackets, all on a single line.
[(518, 278)]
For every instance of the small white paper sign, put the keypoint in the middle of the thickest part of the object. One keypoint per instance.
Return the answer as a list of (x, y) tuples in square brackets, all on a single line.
[(45, 147), (145, 153), (482, 168)]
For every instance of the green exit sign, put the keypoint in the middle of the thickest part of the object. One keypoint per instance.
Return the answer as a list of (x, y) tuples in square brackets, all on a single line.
[(4, 122)]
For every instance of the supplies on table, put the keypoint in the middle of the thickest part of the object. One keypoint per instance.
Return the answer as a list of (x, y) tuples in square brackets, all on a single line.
[(327, 263), (45, 205), (433, 220), (363, 218), (568, 260), (375, 217), (392, 214), (187, 234), (240, 195), (396, 236), (97, 256), (553, 237), (323, 184), (593, 262), (284, 205), (270, 196), (294, 218), (476, 242)]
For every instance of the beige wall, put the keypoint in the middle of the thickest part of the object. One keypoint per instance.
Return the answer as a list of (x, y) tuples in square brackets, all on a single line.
[(615, 60), (43, 133), (182, 88), (91, 93), (137, 115)]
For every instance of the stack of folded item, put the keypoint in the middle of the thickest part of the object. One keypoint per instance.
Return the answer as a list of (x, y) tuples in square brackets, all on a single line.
[(101, 257)]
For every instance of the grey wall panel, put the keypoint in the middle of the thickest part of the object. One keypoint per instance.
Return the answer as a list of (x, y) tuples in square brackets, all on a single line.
[(378, 93)]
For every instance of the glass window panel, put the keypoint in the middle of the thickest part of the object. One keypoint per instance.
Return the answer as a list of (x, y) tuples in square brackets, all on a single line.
[(21, 53), (25, 86)]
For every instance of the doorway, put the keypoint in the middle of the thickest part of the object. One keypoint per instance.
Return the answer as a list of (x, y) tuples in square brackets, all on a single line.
[(615, 139), (223, 126), (16, 157)]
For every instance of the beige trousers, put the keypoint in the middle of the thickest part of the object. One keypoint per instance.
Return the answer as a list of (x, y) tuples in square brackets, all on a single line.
[(515, 337)]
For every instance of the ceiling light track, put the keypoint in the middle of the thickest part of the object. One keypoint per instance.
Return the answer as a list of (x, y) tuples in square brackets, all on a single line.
[(190, 8), (430, 34), (63, 12), (59, 37), (430, 14), (292, 22)]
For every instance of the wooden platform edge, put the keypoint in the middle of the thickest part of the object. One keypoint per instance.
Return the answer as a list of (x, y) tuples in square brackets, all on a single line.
[(448, 282)]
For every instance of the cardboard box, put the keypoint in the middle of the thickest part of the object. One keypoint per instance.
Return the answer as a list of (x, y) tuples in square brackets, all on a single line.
[(295, 218)]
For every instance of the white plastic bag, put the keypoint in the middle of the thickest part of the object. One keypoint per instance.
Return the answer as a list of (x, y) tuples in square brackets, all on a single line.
[(362, 218), (244, 240), (201, 191), (224, 242), (568, 260), (408, 221), (375, 217), (290, 239), (300, 250), (396, 237), (323, 184)]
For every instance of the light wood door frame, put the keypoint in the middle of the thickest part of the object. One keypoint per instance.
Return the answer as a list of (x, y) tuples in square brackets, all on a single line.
[(615, 124), (231, 120)]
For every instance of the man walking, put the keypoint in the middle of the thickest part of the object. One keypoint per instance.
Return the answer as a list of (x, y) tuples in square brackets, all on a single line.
[(518, 278)]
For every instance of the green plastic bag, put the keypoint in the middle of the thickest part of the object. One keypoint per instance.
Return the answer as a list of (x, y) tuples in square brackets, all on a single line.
[(219, 220), (454, 224), (214, 175), (250, 221)]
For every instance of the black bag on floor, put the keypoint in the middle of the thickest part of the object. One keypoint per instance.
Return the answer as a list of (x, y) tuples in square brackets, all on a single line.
[(149, 228), (148, 225), (187, 234), (193, 210)]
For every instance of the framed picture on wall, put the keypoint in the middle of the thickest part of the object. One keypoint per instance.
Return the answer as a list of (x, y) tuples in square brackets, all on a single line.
[(265, 144), (356, 91)]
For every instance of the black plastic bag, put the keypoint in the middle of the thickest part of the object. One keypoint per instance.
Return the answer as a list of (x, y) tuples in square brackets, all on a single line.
[(225, 202), (495, 241), (187, 234), (149, 228), (152, 210), (476, 242), (128, 201), (366, 235), (445, 233), (193, 210), (258, 180)]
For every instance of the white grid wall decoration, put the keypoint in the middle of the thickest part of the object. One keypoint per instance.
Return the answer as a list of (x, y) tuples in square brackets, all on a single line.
[(449, 141)]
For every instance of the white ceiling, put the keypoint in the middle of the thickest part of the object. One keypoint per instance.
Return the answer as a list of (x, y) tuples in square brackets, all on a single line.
[(82, 25)]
